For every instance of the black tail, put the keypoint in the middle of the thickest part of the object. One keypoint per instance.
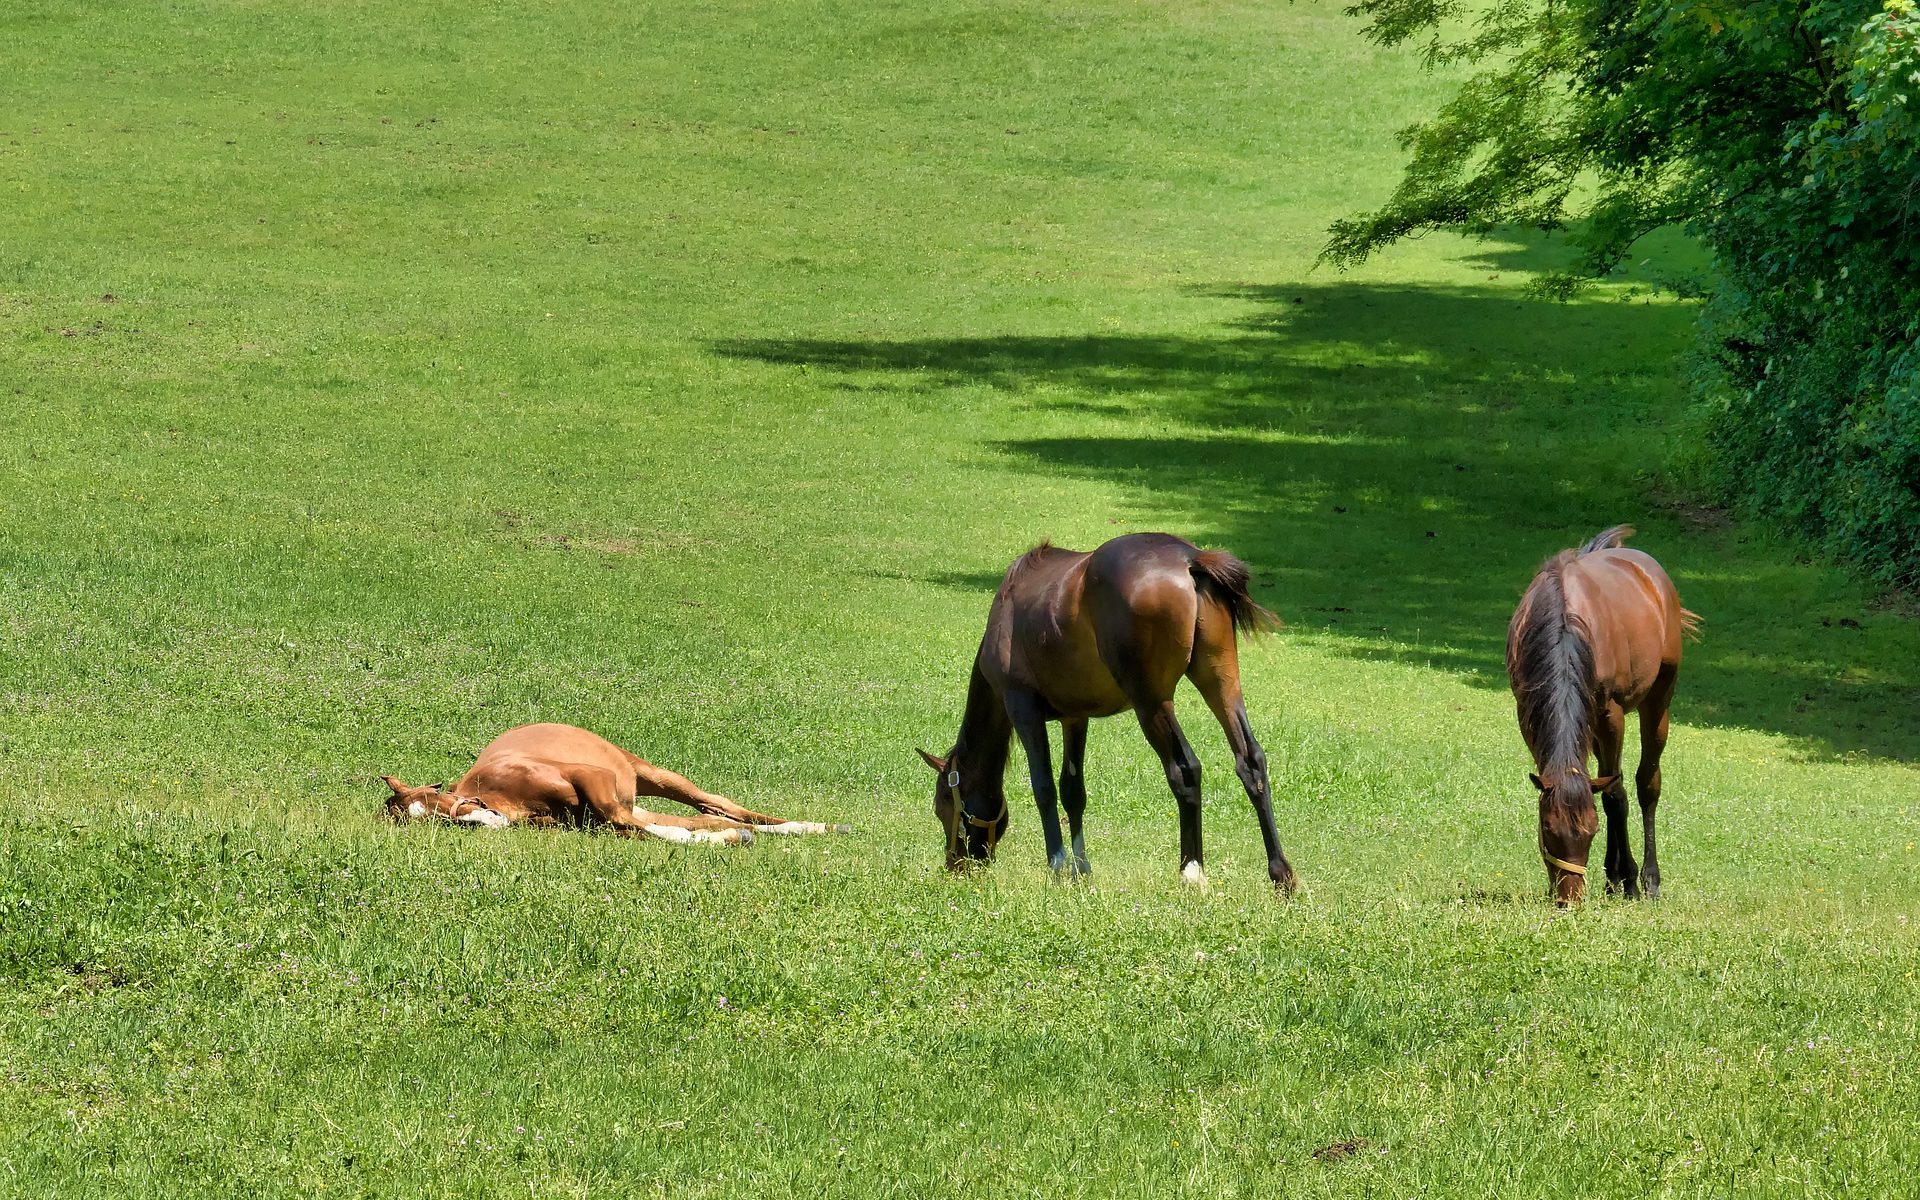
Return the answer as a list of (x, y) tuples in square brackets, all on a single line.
[(1607, 539), (1224, 577)]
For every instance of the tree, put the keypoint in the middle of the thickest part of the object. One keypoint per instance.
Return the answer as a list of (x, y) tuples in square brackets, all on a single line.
[(1784, 135)]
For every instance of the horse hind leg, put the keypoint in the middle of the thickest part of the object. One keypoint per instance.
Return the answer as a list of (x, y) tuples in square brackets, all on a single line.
[(717, 831), (653, 781), (1151, 648), (1653, 743), (595, 787), (1216, 673)]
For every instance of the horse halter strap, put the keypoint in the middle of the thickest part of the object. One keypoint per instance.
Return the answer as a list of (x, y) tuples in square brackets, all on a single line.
[(1563, 864), (989, 824)]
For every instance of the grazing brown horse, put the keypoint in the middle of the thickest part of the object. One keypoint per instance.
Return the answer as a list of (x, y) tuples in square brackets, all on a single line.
[(1596, 636), (562, 775), (1073, 636)]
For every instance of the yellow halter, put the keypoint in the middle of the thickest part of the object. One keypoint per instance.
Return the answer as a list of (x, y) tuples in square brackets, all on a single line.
[(990, 825), (1563, 864)]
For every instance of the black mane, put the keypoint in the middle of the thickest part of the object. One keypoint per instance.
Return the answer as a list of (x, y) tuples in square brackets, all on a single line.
[(1550, 665)]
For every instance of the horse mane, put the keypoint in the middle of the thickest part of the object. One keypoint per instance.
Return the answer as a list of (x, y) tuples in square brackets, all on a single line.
[(1042, 551), (1550, 661)]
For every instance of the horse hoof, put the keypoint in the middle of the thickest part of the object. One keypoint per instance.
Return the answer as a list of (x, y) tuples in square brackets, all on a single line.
[(1082, 867), (745, 838), (1194, 876)]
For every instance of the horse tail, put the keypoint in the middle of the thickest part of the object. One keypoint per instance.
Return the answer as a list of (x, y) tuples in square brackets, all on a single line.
[(1224, 578), (1690, 624), (1607, 539)]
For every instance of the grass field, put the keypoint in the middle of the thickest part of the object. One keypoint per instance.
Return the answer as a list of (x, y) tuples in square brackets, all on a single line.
[(377, 378)]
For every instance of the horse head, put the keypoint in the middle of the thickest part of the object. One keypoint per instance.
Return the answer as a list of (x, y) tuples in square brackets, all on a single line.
[(968, 834), (1567, 825), (431, 802)]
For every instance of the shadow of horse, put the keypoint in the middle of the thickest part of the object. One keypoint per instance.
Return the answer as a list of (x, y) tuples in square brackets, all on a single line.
[(1396, 461)]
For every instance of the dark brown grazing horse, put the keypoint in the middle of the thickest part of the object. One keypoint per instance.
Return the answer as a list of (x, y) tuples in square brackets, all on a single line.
[(1596, 636), (564, 775), (1073, 636)]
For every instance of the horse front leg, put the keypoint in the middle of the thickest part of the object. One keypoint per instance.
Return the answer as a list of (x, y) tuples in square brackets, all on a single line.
[(1182, 766), (1609, 735), (1073, 788), (1031, 728)]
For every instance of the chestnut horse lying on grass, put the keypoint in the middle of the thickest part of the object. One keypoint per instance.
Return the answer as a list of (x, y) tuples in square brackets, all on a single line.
[(562, 775)]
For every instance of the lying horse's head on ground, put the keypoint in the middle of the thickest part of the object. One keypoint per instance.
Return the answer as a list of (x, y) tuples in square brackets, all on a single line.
[(425, 803)]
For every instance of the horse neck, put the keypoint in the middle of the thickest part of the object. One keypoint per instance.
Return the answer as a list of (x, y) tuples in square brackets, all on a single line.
[(986, 734), (1554, 677)]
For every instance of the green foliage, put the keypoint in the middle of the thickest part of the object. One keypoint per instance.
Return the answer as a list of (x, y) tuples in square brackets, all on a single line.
[(1785, 136)]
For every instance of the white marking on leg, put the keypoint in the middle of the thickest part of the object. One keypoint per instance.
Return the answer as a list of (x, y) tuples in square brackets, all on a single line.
[(1194, 875), (703, 837), (792, 828)]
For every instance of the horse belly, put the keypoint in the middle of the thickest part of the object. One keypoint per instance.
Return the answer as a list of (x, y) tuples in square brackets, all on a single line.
[(541, 788), (1068, 673), (1087, 704)]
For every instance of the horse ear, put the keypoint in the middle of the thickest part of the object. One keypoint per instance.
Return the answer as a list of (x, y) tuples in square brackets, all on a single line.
[(399, 789), (1603, 783), (939, 765), (1536, 781)]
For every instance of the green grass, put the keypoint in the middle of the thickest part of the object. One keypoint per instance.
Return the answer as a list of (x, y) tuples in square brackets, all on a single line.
[(376, 380)]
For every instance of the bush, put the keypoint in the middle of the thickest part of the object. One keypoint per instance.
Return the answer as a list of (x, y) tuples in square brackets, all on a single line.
[(1785, 137)]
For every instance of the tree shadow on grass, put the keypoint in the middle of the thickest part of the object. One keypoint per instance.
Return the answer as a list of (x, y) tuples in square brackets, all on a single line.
[(1395, 462)]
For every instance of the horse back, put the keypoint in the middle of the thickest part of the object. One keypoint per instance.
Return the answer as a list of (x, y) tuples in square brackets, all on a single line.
[(1633, 618), (559, 744), (1089, 632)]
